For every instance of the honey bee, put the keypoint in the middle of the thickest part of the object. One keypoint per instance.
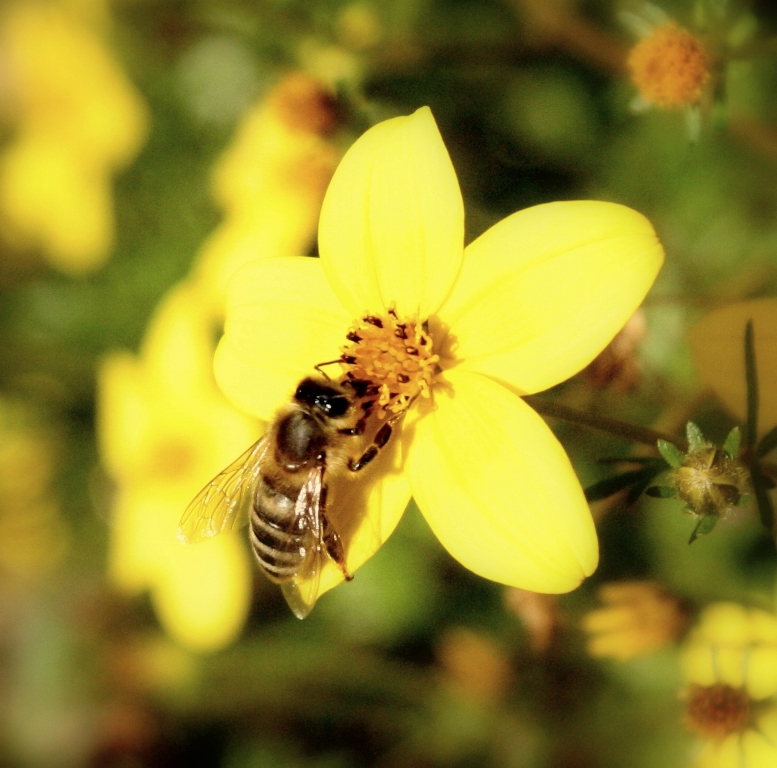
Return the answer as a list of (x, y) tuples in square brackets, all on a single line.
[(279, 486)]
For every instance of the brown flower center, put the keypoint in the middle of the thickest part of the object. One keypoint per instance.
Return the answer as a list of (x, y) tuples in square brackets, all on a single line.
[(670, 67), (716, 711), (394, 358)]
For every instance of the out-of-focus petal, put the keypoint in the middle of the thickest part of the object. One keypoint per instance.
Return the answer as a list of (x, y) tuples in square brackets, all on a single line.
[(392, 222), (282, 319), (498, 490), (725, 624), (718, 344), (542, 292), (759, 747), (762, 671), (202, 593)]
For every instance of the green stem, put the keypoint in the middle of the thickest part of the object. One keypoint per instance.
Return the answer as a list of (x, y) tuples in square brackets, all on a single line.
[(602, 423)]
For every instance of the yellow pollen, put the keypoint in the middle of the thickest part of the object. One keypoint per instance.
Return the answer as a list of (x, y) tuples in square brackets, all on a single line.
[(717, 711), (670, 67), (393, 358)]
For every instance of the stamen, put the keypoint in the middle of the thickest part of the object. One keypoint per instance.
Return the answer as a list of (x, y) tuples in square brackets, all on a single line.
[(395, 359)]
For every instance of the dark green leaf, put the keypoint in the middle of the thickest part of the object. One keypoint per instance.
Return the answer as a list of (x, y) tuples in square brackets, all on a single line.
[(634, 479), (768, 443), (751, 377), (673, 456), (662, 492), (731, 446), (704, 526), (763, 500)]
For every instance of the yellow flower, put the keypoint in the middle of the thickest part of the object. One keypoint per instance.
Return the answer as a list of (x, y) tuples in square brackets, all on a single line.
[(730, 664), (718, 343), (164, 431), (670, 67), (76, 119), (638, 618), (270, 182), (449, 339)]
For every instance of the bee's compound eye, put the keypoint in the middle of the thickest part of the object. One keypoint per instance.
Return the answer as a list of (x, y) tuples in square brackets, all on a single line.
[(334, 406)]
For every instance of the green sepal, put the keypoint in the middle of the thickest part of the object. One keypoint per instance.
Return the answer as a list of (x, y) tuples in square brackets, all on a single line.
[(733, 440), (696, 441), (673, 456), (767, 444), (704, 526), (744, 500), (662, 492)]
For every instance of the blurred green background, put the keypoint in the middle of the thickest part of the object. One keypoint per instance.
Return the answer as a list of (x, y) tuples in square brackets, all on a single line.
[(417, 662)]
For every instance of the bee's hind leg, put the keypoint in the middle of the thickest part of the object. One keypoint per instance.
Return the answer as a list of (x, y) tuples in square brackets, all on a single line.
[(331, 540), (335, 550)]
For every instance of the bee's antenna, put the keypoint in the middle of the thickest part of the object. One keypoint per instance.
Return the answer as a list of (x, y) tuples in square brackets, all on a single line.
[(319, 367)]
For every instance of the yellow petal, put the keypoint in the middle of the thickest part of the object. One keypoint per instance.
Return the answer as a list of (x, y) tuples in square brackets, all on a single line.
[(392, 222), (178, 346), (203, 592), (698, 664), (726, 624), (282, 319), (759, 748), (717, 345), (762, 671), (542, 292), (498, 490)]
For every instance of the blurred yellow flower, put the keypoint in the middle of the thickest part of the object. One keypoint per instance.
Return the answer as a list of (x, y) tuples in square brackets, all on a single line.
[(730, 665), (718, 344), (164, 431), (76, 119), (449, 339), (270, 182), (638, 617)]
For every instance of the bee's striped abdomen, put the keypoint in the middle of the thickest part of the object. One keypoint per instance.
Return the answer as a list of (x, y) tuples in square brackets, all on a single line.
[(280, 539)]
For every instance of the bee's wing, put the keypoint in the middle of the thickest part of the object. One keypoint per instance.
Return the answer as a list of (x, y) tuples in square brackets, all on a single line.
[(301, 592), (223, 503)]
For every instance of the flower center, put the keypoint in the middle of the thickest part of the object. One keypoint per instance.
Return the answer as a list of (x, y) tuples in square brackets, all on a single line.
[(391, 359), (716, 711), (670, 67)]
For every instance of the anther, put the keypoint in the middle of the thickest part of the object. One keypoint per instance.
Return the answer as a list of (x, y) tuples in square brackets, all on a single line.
[(353, 336), (403, 378), (372, 320), (350, 359)]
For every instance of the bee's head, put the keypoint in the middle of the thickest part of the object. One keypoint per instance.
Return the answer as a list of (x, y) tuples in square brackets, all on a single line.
[(324, 397)]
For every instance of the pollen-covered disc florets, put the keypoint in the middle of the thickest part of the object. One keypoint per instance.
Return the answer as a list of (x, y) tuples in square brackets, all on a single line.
[(394, 358), (670, 67), (717, 711)]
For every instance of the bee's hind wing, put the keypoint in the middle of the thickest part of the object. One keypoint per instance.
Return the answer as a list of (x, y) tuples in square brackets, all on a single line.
[(301, 592), (224, 502)]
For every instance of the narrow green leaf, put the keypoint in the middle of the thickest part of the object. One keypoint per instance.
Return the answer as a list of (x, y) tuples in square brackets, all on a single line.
[(733, 440), (611, 485), (751, 377), (704, 526), (768, 443), (648, 474), (762, 498), (696, 441), (662, 492), (673, 456)]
